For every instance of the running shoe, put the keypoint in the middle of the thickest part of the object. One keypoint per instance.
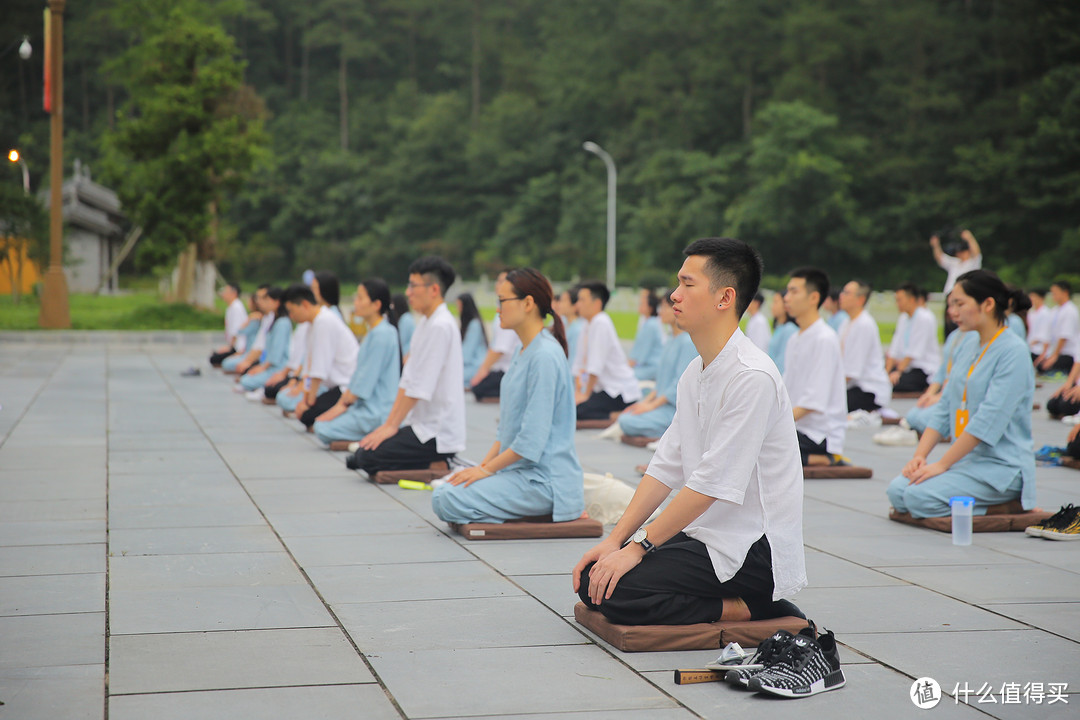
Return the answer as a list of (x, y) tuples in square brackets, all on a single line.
[(806, 667), (1066, 530), (1061, 519), (768, 652)]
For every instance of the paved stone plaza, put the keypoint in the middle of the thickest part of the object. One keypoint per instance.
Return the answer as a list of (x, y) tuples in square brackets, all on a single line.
[(169, 549)]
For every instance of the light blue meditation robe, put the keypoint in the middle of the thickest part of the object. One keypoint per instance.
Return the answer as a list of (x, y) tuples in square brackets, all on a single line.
[(778, 343), (1016, 324), (647, 347), (917, 416), (1001, 467), (473, 349), (374, 383), (537, 420), (249, 332), (573, 337), (837, 319), (275, 354), (406, 327), (678, 352)]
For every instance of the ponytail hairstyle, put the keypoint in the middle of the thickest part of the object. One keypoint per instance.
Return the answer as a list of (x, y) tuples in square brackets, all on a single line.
[(1019, 302), (399, 305), (469, 312), (528, 282), (982, 284), (377, 289)]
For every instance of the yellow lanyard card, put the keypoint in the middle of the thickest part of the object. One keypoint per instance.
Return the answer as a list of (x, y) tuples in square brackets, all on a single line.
[(962, 418)]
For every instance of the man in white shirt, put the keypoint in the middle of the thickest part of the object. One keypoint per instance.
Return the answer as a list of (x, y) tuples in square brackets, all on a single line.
[(331, 353), (504, 343), (609, 384), (1064, 343), (427, 422), (236, 316), (757, 325), (914, 353), (968, 257), (729, 544), (1038, 322), (868, 386), (251, 354), (814, 371)]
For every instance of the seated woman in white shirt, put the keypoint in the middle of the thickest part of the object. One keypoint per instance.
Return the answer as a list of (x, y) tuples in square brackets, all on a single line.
[(532, 469)]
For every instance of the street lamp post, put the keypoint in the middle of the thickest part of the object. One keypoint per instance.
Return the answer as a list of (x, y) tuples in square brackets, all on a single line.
[(55, 312), (611, 177), (14, 157)]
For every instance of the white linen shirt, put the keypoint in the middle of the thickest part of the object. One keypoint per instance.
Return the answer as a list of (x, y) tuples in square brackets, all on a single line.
[(1065, 323), (332, 354), (957, 267), (814, 376), (916, 338), (506, 342), (601, 354), (235, 317), (864, 363), (1039, 329), (757, 329), (435, 376), (733, 439), (264, 327)]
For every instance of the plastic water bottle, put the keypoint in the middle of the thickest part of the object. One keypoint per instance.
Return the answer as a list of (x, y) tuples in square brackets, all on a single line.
[(962, 508)]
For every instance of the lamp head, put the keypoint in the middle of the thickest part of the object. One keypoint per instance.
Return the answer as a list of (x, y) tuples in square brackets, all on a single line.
[(25, 49), (13, 156), (590, 146)]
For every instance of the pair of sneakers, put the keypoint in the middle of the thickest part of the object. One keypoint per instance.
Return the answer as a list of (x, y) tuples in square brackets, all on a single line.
[(792, 665), (1062, 525)]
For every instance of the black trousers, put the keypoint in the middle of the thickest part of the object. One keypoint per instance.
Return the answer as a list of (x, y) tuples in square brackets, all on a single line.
[(599, 406), (677, 585), (489, 386), (859, 399), (1060, 407), (1073, 448), (271, 391), (911, 380), (808, 447), (217, 357), (403, 451), (322, 403), (1064, 364)]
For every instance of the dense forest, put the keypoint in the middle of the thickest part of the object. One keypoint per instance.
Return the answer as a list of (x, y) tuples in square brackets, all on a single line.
[(357, 134)]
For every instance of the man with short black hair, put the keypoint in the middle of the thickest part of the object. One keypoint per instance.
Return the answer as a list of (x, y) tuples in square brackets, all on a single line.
[(868, 386), (729, 544), (235, 318), (967, 256), (914, 354), (606, 382), (1064, 342), (427, 421), (241, 363)]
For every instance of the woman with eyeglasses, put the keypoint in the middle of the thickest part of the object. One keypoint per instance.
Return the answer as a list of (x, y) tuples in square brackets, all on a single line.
[(532, 469)]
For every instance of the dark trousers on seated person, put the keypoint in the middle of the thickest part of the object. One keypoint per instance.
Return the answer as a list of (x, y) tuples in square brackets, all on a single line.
[(599, 406), (859, 399), (489, 386), (1073, 449), (677, 585), (271, 391), (1060, 407), (322, 403), (808, 447), (1064, 364), (911, 380), (403, 451), (217, 357)]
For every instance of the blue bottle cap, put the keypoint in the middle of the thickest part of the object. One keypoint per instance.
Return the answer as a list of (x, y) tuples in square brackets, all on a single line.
[(962, 500)]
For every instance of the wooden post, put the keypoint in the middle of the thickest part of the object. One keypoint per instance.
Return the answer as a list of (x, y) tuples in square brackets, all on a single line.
[(55, 312)]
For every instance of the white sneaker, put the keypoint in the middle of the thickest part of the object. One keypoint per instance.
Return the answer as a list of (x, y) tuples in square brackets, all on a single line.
[(612, 433), (897, 436), (238, 388), (255, 395), (863, 419), (1071, 419), (888, 413)]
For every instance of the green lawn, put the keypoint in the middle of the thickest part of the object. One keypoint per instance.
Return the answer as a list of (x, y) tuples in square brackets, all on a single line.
[(136, 311)]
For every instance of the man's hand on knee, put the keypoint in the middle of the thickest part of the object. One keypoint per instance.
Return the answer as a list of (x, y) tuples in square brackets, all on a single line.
[(601, 550), (377, 437), (607, 572)]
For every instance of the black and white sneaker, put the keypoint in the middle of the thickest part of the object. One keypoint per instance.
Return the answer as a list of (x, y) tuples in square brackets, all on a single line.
[(806, 667), (768, 652)]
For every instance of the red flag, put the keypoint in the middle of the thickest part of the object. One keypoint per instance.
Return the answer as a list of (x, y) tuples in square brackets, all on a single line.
[(48, 64)]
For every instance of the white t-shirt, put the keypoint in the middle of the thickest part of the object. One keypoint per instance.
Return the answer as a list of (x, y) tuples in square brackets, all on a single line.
[(235, 318), (1066, 324), (503, 341), (601, 354), (298, 347), (264, 327), (332, 354), (916, 338), (435, 375), (864, 362), (1038, 322), (814, 376), (957, 267), (757, 329), (733, 439)]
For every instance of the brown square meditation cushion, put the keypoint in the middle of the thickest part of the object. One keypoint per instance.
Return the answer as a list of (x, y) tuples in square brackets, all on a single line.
[(530, 528), (601, 424), (991, 522), (437, 470), (637, 440), (820, 472)]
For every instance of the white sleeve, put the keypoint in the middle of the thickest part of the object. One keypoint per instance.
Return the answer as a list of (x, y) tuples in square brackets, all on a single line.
[(321, 355), (598, 349), (426, 358)]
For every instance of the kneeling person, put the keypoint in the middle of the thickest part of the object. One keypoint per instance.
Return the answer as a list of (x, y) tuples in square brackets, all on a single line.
[(532, 469), (729, 545), (607, 383)]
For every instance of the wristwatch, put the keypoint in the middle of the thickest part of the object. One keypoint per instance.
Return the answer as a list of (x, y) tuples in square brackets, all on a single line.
[(641, 537)]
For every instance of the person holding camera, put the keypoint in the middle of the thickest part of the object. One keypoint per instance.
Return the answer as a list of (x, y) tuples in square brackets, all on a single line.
[(964, 255)]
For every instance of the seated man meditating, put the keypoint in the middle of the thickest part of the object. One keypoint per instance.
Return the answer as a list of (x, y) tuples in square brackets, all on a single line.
[(913, 354), (729, 545), (365, 403), (651, 416), (605, 382), (236, 316), (986, 407), (868, 386), (426, 423), (532, 469)]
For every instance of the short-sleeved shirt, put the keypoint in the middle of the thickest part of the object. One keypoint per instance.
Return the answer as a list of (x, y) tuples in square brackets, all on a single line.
[(950, 351), (916, 338), (406, 327), (1016, 324), (537, 420), (778, 343), (264, 327), (235, 317), (1065, 323), (1039, 329), (435, 377), (999, 398), (602, 355), (331, 349), (956, 267), (864, 361), (506, 342), (757, 329), (814, 376), (298, 347), (733, 439), (378, 370)]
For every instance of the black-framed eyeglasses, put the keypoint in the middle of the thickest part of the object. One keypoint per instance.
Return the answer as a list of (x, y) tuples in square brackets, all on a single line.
[(500, 301)]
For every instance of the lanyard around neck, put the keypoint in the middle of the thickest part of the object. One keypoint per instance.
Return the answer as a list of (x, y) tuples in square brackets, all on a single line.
[(977, 361)]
